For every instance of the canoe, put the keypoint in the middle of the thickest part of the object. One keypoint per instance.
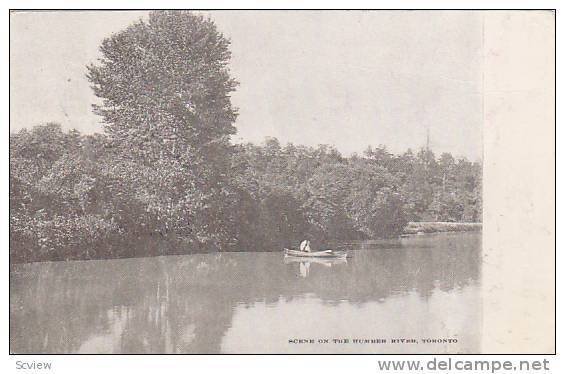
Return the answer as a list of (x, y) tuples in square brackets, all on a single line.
[(320, 254)]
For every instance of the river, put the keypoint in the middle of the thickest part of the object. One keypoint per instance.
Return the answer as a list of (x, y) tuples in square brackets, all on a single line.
[(425, 289)]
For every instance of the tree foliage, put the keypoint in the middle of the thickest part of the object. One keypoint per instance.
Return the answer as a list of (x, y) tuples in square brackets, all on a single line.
[(164, 178), (165, 86), (83, 200)]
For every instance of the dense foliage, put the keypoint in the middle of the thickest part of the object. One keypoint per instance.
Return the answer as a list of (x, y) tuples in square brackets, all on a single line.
[(164, 178), (165, 88), (72, 197)]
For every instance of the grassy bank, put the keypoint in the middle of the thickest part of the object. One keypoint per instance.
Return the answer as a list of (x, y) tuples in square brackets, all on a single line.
[(431, 227)]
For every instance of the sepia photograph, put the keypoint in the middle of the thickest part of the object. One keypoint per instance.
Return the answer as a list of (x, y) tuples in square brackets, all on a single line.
[(249, 182)]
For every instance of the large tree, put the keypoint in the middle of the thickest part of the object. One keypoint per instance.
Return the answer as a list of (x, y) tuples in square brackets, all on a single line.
[(165, 90)]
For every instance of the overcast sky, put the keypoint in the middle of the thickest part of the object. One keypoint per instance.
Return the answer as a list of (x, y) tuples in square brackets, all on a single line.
[(346, 78)]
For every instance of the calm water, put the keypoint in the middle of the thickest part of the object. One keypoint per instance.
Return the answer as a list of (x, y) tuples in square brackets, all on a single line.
[(414, 288)]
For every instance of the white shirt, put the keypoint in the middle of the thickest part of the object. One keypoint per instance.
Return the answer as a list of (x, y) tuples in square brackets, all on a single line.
[(305, 246)]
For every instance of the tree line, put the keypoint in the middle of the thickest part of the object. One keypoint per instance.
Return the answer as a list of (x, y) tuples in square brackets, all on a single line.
[(72, 196), (164, 178)]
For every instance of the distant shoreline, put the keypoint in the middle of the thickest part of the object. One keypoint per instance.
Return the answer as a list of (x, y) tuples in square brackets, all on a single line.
[(414, 228)]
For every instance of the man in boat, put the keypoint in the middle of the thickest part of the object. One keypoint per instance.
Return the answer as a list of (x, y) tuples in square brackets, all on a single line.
[(305, 246)]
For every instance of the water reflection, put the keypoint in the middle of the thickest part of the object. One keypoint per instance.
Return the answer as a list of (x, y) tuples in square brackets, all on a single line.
[(305, 263), (251, 302)]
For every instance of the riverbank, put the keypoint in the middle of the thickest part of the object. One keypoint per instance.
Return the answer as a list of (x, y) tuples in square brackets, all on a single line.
[(151, 245), (433, 227)]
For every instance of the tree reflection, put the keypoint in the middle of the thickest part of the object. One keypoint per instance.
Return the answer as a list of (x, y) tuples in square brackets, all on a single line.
[(185, 304)]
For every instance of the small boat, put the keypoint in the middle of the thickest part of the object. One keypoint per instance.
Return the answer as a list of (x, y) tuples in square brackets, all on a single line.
[(328, 253)]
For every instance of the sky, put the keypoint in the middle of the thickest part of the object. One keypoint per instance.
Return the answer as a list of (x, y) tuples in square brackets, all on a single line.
[(345, 78)]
